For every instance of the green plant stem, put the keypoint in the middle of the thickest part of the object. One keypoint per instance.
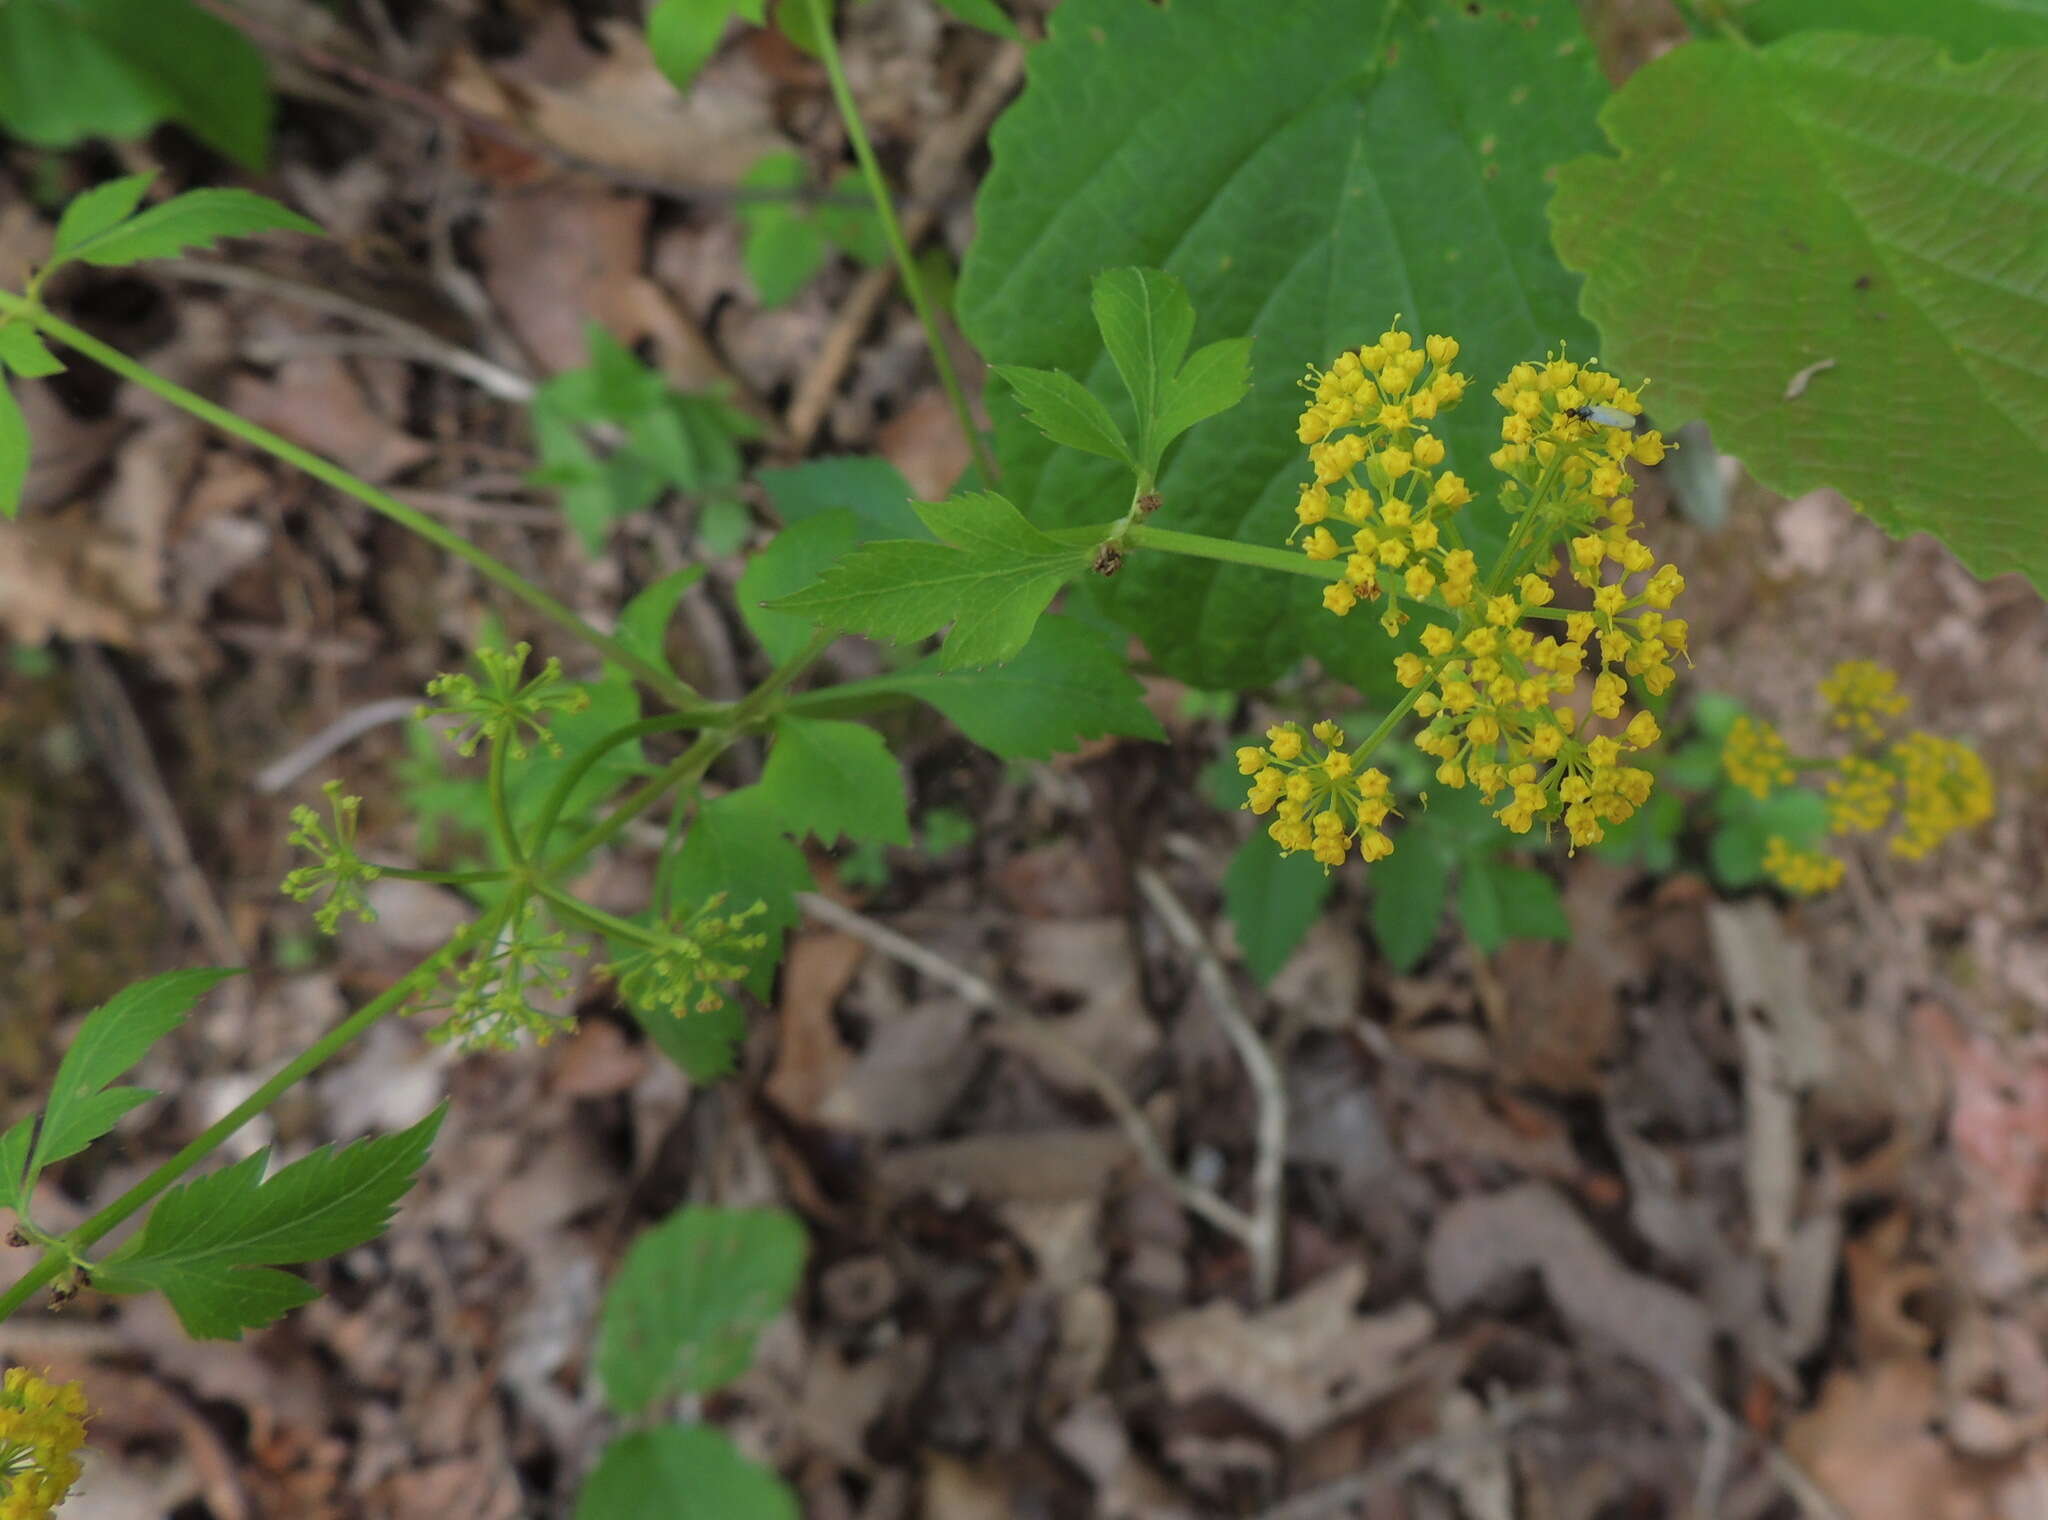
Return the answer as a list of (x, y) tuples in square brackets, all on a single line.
[(667, 685), (210, 1139), (906, 269), (694, 761), (501, 805), (597, 921), (1231, 552), (444, 878), (558, 796)]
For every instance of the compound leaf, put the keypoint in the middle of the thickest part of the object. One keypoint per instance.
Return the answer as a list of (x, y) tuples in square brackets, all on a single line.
[(97, 209), (991, 578), (196, 219), (1273, 901), (1848, 210), (210, 1246), (109, 1042), (1314, 169), (1965, 27)]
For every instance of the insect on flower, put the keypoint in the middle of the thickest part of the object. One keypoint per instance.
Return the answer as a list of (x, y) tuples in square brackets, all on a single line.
[(1606, 416)]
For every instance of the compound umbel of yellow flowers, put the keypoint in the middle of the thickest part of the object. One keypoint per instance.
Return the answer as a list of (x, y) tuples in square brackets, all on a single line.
[(1524, 700), (42, 1425), (1921, 786)]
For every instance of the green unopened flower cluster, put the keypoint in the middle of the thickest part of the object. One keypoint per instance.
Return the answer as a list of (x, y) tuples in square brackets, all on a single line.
[(1919, 785), (1524, 698), (504, 708), (336, 870), (507, 983), (681, 974)]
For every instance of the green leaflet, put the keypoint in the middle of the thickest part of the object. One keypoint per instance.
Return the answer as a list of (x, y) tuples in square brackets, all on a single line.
[(681, 1472), (990, 578), (1823, 211), (1304, 188), (692, 1294), (830, 779), (211, 1246)]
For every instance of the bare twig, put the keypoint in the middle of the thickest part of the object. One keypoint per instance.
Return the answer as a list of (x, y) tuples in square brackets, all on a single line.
[(1340, 1496), (346, 729), (124, 750), (937, 162), (1793, 1478), (409, 338), (1269, 1092), (1021, 1032)]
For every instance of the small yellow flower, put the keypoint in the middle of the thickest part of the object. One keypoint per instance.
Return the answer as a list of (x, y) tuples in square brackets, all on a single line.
[(42, 1425), (1860, 695), (1806, 872), (1754, 757)]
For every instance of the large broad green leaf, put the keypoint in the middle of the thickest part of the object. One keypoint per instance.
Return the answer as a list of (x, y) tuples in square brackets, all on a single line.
[(1310, 171), (1965, 27), (1835, 249), (829, 779), (693, 1293), (681, 1472), (71, 69)]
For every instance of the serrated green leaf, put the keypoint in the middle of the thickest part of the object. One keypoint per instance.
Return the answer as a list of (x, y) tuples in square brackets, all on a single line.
[(1409, 891), (15, 1182), (111, 1040), (1273, 901), (643, 623), (704, 1042), (689, 1299), (1805, 204), (683, 34), (871, 488), (736, 845), (985, 14), (1070, 683), (795, 20), (790, 561), (196, 219), (1214, 379), (1314, 169), (209, 1245), (23, 351), (681, 1472), (1145, 319), (991, 578), (1965, 27), (830, 779), (1067, 412), (97, 209), (14, 446)]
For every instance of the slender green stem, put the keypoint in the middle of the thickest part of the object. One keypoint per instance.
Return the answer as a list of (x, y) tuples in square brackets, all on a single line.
[(444, 878), (1229, 551), (501, 805), (906, 268), (646, 671), (695, 760), (558, 797), (210, 1139), (580, 913), (1378, 736)]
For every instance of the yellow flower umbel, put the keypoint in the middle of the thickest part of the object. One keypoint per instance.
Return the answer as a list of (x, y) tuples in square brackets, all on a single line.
[(42, 1425), (1321, 803), (1930, 786), (1500, 673)]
